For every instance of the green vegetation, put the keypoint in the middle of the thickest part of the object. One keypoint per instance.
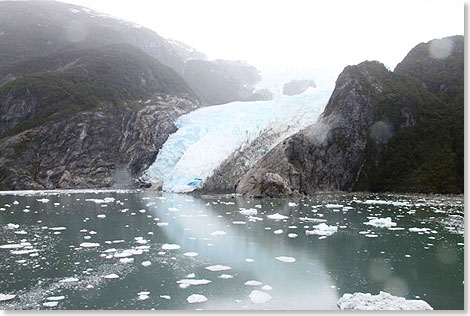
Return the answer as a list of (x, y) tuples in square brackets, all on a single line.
[(426, 152), (115, 74)]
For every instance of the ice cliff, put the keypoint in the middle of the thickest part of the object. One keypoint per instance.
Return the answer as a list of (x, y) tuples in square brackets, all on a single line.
[(208, 136)]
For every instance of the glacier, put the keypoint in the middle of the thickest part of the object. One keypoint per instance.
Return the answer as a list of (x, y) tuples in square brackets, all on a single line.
[(209, 135)]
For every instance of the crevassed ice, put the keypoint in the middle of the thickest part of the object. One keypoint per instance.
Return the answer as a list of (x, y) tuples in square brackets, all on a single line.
[(209, 135)]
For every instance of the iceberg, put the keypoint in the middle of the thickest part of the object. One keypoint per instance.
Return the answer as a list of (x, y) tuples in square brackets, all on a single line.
[(209, 135), (382, 301)]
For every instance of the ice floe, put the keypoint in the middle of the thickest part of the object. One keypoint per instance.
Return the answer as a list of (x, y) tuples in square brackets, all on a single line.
[(218, 233), (322, 230), (89, 244), (146, 263), (194, 282), (248, 212), (111, 276), (381, 222), (259, 297), (286, 259), (253, 283), (382, 301), (225, 276), (170, 246), (196, 298), (277, 216), (218, 267), (6, 297)]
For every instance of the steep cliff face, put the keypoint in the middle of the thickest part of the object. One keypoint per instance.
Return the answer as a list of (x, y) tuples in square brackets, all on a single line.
[(86, 149), (381, 131)]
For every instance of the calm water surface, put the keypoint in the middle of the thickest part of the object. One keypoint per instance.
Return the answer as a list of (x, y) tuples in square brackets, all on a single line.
[(92, 250)]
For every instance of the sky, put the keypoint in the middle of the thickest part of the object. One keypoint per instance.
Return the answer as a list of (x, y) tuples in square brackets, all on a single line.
[(274, 34)]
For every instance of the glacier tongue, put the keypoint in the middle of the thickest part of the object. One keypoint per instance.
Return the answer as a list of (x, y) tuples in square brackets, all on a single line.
[(207, 136)]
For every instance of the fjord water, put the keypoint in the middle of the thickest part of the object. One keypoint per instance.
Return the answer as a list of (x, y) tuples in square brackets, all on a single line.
[(80, 245)]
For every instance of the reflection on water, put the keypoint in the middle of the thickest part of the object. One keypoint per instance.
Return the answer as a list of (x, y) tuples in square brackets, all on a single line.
[(145, 242)]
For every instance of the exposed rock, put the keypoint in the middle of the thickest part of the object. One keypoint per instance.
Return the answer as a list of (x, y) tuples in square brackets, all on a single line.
[(298, 86), (380, 131), (83, 150)]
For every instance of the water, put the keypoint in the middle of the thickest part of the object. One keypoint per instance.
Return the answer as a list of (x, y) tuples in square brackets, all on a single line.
[(412, 264)]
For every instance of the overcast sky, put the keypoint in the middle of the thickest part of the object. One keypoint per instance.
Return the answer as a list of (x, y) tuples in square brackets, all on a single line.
[(295, 33)]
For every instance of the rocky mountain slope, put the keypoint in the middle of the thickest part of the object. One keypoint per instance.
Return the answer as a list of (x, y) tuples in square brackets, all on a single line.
[(111, 109), (381, 131)]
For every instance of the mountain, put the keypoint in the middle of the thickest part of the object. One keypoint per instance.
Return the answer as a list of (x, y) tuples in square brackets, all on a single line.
[(43, 35), (85, 99), (398, 131)]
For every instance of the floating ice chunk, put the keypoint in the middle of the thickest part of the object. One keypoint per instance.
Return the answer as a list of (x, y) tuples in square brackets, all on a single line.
[(277, 216), (111, 276), (267, 287), (381, 222), (218, 233), (382, 301), (89, 244), (170, 247), (278, 231), (44, 200), (382, 202), (6, 297), (162, 224), (259, 297), (238, 223), (146, 263), (322, 230), (292, 235), (292, 204), (143, 296), (55, 298), (166, 297), (248, 212), (249, 260), (68, 280), (16, 202), (419, 230), (57, 228), (126, 260), (173, 209), (333, 206), (50, 304), (218, 267), (12, 226), (20, 232), (194, 282), (196, 298), (11, 246), (253, 283), (225, 276), (190, 254), (314, 220), (286, 259), (101, 216), (110, 250)]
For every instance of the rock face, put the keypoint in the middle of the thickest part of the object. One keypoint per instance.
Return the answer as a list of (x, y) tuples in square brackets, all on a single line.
[(380, 131), (86, 150), (298, 86)]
